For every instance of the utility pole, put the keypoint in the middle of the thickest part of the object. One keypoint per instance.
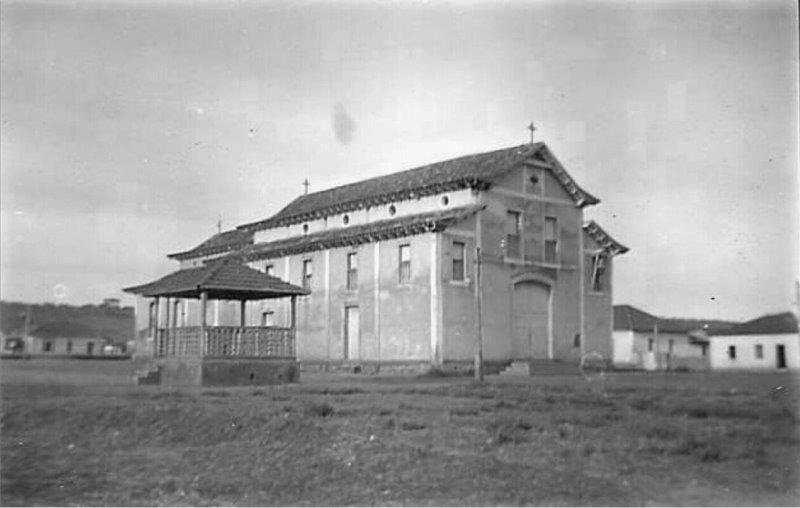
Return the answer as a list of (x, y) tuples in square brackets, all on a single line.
[(27, 322), (478, 306)]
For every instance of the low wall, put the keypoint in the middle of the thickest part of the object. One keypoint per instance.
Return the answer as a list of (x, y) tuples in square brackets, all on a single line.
[(227, 371)]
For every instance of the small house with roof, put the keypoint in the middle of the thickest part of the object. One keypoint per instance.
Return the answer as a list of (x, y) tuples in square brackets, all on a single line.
[(65, 338), (403, 269), (769, 342)]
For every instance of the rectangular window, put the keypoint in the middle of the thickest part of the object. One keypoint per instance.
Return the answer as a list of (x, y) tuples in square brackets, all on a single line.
[(732, 352), (404, 269), (671, 345), (513, 234), (48, 346), (352, 270), (550, 240), (268, 318), (459, 253), (270, 270), (650, 345), (307, 272), (69, 346), (598, 272), (759, 351), (89, 348)]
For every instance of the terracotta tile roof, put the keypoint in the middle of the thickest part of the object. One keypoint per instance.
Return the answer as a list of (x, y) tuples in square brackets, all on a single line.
[(628, 317), (471, 171), (785, 322), (65, 330), (605, 240), (225, 241), (355, 235), (223, 279)]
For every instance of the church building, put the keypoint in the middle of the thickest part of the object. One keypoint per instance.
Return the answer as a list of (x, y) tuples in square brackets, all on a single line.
[(403, 269)]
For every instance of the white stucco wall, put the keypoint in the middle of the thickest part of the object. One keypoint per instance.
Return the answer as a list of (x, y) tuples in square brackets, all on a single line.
[(623, 348), (746, 351)]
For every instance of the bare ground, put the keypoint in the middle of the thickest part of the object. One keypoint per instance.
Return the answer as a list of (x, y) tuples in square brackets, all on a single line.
[(80, 433)]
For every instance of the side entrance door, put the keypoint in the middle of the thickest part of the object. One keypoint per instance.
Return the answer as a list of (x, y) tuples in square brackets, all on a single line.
[(780, 353), (352, 340), (530, 321)]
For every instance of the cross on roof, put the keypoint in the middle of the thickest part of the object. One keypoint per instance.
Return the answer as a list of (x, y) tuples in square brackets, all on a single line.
[(306, 183), (531, 128)]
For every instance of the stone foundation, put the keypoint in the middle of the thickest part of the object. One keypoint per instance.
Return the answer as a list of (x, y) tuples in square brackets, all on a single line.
[(226, 371)]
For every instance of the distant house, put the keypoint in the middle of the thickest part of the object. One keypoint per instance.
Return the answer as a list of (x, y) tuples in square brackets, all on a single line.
[(111, 302), (644, 341), (65, 338), (769, 342)]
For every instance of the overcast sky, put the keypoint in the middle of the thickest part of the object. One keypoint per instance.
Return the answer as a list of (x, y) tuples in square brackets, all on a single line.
[(130, 129)]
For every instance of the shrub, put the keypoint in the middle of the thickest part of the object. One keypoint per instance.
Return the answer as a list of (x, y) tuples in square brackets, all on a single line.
[(322, 409)]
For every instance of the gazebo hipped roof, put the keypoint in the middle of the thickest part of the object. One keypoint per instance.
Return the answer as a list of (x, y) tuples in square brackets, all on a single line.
[(227, 279)]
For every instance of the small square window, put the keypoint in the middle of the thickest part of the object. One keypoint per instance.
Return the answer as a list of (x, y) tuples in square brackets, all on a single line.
[(307, 273), (513, 234), (404, 269), (550, 240), (459, 268), (268, 318), (352, 270), (270, 270)]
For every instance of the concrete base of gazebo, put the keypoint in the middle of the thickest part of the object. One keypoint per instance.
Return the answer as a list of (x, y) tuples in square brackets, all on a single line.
[(226, 371)]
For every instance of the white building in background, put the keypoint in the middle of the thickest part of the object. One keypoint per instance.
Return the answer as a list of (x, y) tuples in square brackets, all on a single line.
[(647, 342), (768, 343)]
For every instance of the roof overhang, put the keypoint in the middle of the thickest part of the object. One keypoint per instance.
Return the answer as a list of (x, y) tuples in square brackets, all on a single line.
[(226, 279), (605, 240)]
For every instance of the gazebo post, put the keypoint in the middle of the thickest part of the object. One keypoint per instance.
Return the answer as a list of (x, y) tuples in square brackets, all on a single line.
[(166, 327), (293, 326), (156, 313), (203, 307), (242, 323)]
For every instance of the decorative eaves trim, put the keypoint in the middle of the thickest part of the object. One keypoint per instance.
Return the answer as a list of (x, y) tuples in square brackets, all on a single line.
[(378, 200), (378, 231), (605, 240)]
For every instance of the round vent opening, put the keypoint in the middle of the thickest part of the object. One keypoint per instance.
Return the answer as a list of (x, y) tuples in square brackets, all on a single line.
[(445, 200), (346, 219), (392, 210)]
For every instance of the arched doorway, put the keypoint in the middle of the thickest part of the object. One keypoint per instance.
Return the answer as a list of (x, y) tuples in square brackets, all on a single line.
[(530, 318)]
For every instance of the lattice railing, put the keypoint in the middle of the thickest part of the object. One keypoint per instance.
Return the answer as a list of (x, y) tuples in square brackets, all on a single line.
[(252, 341), (262, 341)]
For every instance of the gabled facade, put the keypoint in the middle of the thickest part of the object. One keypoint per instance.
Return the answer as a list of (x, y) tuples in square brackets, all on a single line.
[(391, 265)]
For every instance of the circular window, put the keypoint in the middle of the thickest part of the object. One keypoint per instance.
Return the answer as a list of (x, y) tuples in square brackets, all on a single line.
[(346, 219), (305, 228), (445, 201), (392, 210)]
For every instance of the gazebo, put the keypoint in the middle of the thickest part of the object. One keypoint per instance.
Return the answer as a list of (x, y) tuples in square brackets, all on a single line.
[(221, 355)]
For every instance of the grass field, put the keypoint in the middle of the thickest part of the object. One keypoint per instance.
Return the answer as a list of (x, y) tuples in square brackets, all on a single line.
[(80, 433)]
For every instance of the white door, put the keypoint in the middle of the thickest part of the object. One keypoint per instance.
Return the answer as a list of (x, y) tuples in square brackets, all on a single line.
[(352, 343), (530, 321)]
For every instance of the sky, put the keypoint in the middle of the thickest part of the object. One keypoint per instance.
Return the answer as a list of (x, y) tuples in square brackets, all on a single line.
[(129, 129)]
